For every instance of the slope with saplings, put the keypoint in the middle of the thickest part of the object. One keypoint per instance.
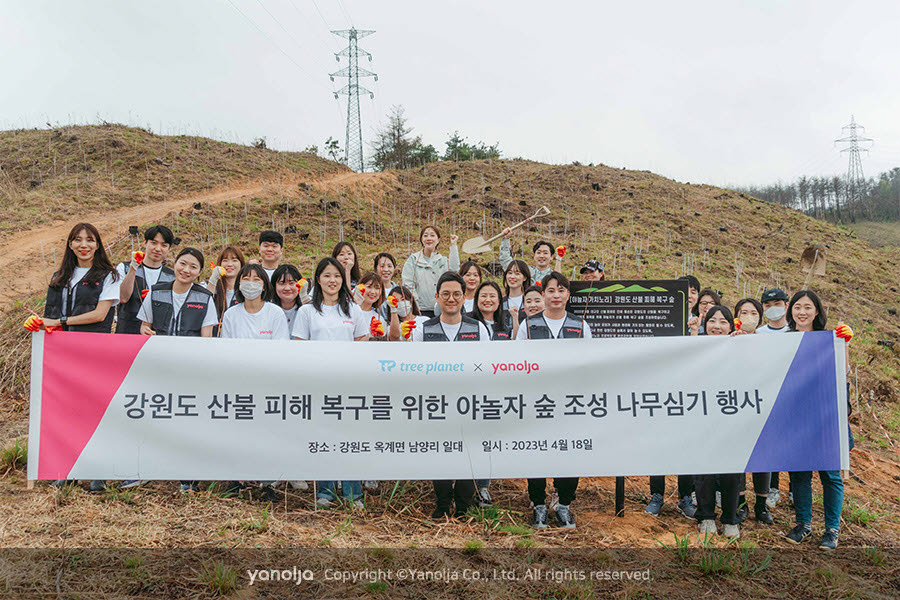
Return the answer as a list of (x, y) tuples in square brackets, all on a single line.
[(638, 224)]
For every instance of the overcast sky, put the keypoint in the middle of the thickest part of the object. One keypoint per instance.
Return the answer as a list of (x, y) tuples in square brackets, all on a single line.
[(719, 92)]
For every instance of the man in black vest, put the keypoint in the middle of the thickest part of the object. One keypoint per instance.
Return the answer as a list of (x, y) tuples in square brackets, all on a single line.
[(139, 276), (451, 325), (553, 323)]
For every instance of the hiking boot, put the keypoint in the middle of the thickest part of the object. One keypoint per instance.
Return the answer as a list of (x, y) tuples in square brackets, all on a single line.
[(97, 485), (440, 512), (267, 494), (708, 527), (189, 488), (484, 497), (799, 533), (299, 485), (773, 498), (686, 507), (370, 484), (130, 483), (762, 513), (732, 531), (540, 517), (564, 516), (829, 540), (743, 512), (656, 503)]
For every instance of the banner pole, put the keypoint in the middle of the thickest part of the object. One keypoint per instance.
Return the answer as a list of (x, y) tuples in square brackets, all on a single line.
[(620, 496)]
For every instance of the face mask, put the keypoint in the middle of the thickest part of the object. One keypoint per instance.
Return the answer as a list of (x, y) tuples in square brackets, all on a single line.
[(775, 313), (251, 290)]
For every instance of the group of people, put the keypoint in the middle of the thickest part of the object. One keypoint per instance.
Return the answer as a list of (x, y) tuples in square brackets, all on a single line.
[(435, 299)]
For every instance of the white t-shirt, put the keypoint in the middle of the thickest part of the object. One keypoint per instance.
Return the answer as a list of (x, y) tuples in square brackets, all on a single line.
[(145, 314), (449, 330), (229, 297), (269, 272), (468, 305), (330, 324), (515, 301), (110, 290), (267, 324), (289, 315), (555, 325), (368, 314), (767, 329), (151, 275)]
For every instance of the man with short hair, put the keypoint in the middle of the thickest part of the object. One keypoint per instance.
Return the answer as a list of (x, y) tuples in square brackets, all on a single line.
[(592, 271), (774, 303), (451, 325), (138, 276), (553, 323), (271, 247), (543, 253)]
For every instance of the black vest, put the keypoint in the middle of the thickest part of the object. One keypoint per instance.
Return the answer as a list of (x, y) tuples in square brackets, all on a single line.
[(506, 334), (469, 331), (81, 299), (539, 330), (126, 312), (189, 320)]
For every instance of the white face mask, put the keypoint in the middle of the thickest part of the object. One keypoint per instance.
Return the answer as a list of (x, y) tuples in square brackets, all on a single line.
[(775, 313), (251, 290)]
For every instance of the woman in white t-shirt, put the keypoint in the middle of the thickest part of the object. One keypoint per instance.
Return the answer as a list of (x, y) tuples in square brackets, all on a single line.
[(252, 317), (516, 280), (369, 295), (332, 316), (83, 292), (222, 286), (291, 291)]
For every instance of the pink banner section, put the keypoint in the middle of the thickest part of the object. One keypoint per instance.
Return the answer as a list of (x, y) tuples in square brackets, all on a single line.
[(81, 373)]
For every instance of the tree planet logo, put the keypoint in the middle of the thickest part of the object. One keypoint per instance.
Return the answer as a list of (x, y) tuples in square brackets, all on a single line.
[(519, 367)]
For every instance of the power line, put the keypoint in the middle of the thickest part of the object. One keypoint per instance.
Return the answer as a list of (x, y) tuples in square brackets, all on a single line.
[(346, 14)]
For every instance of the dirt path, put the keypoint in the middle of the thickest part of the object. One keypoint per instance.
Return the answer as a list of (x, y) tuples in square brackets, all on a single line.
[(23, 249)]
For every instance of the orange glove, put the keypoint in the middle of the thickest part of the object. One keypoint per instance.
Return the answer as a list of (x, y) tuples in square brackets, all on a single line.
[(560, 251), (406, 328), (301, 283), (33, 323), (376, 329), (844, 332), (138, 257), (362, 289), (393, 301), (144, 294), (737, 324)]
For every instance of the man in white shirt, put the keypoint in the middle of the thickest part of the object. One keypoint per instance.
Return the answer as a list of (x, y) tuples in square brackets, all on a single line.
[(271, 248), (774, 303)]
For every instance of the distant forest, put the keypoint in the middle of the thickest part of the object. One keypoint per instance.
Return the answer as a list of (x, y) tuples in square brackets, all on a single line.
[(830, 199)]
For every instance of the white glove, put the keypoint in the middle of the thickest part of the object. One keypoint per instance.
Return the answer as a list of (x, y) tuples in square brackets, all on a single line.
[(403, 308), (217, 273), (357, 296), (304, 293)]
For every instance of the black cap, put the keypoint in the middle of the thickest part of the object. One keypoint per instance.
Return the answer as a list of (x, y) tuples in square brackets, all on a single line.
[(592, 265), (272, 237), (773, 294)]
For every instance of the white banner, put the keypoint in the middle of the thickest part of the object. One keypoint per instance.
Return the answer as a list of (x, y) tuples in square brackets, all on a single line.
[(132, 407)]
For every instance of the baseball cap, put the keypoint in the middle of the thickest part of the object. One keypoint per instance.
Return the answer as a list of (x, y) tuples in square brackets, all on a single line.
[(592, 265), (773, 294)]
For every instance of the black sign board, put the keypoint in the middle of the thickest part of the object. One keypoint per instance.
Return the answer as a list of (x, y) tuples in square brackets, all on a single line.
[(633, 308)]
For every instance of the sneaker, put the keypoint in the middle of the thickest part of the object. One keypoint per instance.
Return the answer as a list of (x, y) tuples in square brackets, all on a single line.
[(299, 485), (97, 485), (370, 484), (829, 540), (564, 516), (656, 503), (791, 498), (773, 498), (762, 512), (708, 527), (354, 503), (718, 499), (267, 493), (324, 502), (799, 533), (484, 497), (732, 531), (440, 512), (187, 488), (686, 507), (130, 483), (540, 517)]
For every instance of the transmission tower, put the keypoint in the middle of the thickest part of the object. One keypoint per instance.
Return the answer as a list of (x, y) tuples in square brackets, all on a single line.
[(853, 140), (353, 156)]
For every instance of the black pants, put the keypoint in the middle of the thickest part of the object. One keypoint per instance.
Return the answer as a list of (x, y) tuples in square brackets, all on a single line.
[(685, 485), (462, 491), (760, 483), (705, 486), (565, 487)]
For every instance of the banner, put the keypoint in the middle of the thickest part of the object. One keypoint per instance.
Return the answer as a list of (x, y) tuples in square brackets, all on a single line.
[(135, 407), (631, 308)]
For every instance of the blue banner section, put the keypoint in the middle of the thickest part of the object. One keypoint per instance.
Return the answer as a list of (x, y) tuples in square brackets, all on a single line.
[(803, 426)]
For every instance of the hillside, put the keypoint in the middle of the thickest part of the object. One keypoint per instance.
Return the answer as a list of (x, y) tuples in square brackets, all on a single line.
[(638, 224)]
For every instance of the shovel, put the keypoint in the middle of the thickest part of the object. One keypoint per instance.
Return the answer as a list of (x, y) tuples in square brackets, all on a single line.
[(477, 245), (813, 262)]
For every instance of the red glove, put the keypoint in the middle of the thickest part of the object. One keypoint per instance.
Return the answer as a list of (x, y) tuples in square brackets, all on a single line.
[(362, 289), (737, 324), (138, 257), (406, 328), (394, 301), (844, 332), (33, 323), (144, 294), (560, 251), (376, 329), (301, 283)]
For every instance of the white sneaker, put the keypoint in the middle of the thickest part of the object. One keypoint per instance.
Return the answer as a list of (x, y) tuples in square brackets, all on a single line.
[(324, 502), (357, 504), (732, 531), (773, 498), (708, 527), (370, 484), (300, 485)]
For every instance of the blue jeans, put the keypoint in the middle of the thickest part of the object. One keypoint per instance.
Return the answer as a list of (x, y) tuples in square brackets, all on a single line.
[(352, 490), (832, 496)]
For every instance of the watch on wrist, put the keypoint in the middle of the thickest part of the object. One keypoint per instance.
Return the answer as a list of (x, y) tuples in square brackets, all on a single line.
[(63, 320)]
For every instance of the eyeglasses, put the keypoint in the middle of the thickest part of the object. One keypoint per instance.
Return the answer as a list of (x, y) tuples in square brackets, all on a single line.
[(708, 303), (448, 295)]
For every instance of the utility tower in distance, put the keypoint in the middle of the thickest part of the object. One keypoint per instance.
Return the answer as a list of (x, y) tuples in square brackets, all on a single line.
[(354, 147), (853, 140)]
